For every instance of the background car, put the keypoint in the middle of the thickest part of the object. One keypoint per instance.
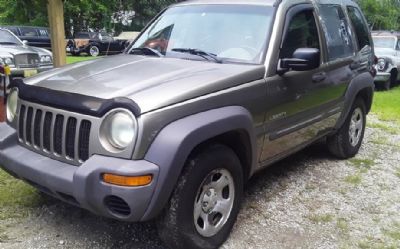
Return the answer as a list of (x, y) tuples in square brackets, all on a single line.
[(95, 43), (387, 49), (24, 60), (35, 36)]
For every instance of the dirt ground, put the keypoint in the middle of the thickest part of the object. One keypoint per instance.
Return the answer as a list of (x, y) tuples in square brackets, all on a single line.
[(309, 200)]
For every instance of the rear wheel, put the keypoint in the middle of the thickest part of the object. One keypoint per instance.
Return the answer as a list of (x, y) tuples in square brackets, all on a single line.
[(206, 201), (347, 141)]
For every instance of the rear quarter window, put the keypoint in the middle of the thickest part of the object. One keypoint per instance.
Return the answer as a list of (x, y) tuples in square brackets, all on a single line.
[(337, 31), (360, 27)]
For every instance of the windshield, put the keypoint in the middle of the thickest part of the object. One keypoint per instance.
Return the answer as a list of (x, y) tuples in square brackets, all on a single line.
[(7, 37), (235, 33), (384, 42)]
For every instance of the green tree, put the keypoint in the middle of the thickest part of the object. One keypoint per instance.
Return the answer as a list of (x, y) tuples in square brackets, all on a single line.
[(81, 14), (382, 14)]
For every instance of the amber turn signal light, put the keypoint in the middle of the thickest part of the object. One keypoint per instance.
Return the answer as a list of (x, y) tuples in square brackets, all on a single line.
[(127, 181)]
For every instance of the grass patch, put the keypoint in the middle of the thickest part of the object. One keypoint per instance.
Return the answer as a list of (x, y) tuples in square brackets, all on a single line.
[(74, 59), (398, 172), (16, 197), (387, 105), (389, 129), (362, 163), (343, 225), (353, 179), (381, 141), (325, 218)]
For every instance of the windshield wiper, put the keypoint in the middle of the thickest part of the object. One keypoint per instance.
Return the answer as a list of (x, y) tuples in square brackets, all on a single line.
[(206, 55), (147, 51)]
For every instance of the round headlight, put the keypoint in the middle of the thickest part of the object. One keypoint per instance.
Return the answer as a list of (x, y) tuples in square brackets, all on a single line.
[(12, 104), (120, 129), (381, 64), (8, 61)]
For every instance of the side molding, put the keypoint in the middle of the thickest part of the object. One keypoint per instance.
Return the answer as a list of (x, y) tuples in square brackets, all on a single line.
[(175, 142)]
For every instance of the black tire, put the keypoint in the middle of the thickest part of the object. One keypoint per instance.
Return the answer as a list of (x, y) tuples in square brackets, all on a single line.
[(390, 83), (94, 51), (176, 226), (340, 144)]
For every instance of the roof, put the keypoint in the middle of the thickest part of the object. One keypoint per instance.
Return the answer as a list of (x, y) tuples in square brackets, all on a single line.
[(262, 2), (245, 2), (22, 26)]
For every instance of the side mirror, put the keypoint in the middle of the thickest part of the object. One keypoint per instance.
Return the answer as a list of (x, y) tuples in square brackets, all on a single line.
[(25, 42), (304, 59)]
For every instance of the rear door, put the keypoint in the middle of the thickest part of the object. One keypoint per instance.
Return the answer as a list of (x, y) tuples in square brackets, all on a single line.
[(44, 40), (363, 61)]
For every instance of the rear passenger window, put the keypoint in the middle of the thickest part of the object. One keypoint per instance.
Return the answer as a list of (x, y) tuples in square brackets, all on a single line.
[(337, 32), (28, 32), (302, 33), (360, 27)]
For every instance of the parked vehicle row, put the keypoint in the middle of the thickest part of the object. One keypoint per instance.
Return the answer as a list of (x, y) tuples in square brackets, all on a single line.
[(211, 92), (387, 49)]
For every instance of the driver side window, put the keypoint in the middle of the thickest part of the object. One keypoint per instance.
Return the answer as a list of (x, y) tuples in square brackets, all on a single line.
[(302, 32), (398, 45)]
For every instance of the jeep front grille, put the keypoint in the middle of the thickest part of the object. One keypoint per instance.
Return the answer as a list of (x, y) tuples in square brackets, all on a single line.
[(58, 134)]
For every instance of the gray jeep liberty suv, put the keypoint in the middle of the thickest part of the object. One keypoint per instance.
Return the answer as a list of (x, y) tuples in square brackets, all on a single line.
[(211, 92)]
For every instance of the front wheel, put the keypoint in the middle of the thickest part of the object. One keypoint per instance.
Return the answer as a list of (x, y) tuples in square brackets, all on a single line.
[(206, 201), (347, 141), (94, 51)]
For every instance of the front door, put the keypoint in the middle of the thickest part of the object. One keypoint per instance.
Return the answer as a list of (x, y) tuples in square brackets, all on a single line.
[(301, 105)]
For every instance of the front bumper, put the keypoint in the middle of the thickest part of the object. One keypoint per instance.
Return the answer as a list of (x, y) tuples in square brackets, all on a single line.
[(80, 186), (382, 76), (20, 72)]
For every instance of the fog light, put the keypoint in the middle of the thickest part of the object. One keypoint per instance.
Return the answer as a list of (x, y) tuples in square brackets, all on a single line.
[(127, 181)]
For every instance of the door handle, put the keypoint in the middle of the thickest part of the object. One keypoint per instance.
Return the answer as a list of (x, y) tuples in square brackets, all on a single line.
[(319, 77), (355, 65)]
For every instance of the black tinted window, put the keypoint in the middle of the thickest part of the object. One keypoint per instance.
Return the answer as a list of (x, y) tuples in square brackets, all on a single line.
[(302, 33), (82, 36), (360, 27), (337, 32), (28, 32)]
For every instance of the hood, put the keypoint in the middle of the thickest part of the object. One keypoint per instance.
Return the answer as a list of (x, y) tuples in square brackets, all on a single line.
[(385, 52), (15, 49), (151, 82)]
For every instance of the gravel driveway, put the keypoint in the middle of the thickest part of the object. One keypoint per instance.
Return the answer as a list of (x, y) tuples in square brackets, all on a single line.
[(309, 200)]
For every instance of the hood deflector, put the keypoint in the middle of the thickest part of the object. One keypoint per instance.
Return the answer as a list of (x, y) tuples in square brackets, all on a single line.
[(72, 102)]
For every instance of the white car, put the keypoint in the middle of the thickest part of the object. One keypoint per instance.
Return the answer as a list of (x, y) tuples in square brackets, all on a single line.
[(387, 49)]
